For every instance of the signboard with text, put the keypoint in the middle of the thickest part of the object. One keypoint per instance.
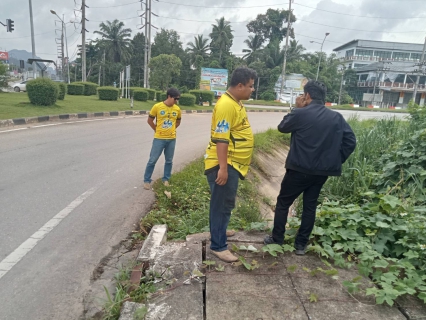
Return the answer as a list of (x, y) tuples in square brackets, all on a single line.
[(215, 80)]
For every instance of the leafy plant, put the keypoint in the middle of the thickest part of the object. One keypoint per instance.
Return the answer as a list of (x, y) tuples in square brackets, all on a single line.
[(108, 93), (42, 92)]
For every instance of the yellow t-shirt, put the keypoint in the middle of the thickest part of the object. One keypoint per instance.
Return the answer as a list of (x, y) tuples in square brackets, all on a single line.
[(166, 120), (230, 125)]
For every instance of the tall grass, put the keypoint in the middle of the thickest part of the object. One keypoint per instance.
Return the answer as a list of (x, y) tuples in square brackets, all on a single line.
[(374, 138)]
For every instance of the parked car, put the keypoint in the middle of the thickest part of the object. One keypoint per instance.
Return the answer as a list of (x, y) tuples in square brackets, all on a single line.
[(20, 86)]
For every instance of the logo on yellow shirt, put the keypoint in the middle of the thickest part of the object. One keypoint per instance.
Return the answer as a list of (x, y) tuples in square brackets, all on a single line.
[(222, 127)]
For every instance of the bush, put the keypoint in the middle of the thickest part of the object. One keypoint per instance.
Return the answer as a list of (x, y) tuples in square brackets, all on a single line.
[(163, 96), (206, 95), (89, 88), (42, 92), (140, 95), (108, 93), (268, 96), (187, 99), (151, 94), (76, 89), (62, 90), (158, 96), (132, 90)]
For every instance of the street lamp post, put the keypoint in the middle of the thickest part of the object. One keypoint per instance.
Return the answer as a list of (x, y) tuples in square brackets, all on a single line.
[(64, 28), (319, 62)]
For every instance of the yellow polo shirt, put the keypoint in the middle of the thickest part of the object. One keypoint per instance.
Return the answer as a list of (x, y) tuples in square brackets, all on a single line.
[(230, 125), (166, 120)]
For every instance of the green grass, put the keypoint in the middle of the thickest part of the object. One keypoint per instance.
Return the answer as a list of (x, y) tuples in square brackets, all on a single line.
[(17, 105), (265, 103)]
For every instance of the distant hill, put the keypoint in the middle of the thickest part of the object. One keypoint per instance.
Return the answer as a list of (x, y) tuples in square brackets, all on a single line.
[(16, 55)]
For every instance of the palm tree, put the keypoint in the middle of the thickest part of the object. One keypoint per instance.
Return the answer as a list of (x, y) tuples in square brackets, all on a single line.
[(116, 40), (199, 47), (254, 44), (221, 36), (295, 50)]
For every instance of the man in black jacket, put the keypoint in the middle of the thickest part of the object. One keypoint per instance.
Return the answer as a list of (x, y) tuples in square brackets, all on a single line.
[(321, 141)]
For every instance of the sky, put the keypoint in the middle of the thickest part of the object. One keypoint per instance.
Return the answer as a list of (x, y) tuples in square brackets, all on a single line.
[(345, 20)]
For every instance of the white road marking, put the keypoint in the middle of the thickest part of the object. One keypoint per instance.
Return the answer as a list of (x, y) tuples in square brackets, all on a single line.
[(12, 259)]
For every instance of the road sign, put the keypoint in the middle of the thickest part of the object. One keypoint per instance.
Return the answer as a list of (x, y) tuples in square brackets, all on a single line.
[(293, 84), (128, 72)]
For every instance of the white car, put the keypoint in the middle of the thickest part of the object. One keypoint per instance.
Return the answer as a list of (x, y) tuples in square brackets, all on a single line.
[(20, 86)]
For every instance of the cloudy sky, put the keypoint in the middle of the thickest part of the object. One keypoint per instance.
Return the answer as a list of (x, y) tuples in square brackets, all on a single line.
[(345, 20)]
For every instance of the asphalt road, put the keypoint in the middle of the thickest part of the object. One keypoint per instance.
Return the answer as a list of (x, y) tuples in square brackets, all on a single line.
[(69, 192)]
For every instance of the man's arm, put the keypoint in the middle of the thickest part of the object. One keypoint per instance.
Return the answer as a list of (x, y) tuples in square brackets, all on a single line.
[(348, 142), (151, 123), (177, 123), (222, 156), (289, 123)]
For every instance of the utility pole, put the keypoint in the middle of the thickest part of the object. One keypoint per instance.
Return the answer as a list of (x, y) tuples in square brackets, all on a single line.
[(62, 50), (341, 85), (421, 64), (66, 45), (285, 49), (33, 40), (145, 57), (83, 40), (257, 90), (149, 42)]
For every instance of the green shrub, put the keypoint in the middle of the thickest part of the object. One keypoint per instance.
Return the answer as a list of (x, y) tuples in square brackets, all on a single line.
[(268, 96), (206, 95), (62, 90), (140, 95), (163, 96), (75, 89), (108, 93), (89, 88), (158, 96), (151, 94), (187, 99), (42, 92), (132, 89)]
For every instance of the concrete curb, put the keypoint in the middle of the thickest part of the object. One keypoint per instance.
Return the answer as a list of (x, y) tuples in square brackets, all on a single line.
[(157, 236), (87, 115)]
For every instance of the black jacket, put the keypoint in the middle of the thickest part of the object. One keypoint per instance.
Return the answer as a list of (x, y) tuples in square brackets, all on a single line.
[(321, 140)]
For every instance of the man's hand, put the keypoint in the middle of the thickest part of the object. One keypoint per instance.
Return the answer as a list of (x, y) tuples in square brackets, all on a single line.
[(300, 101), (222, 176)]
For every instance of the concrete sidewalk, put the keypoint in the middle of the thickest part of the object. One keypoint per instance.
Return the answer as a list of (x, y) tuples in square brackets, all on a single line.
[(282, 287)]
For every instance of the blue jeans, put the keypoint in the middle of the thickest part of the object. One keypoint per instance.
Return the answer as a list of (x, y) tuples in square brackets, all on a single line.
[(158, 145), (222, 202)]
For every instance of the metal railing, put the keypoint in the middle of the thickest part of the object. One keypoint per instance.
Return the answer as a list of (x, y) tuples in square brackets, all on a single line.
[(371, 84)]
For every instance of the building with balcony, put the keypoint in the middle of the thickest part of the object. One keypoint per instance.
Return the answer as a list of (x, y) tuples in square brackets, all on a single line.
[(359, 53), (386, 71)]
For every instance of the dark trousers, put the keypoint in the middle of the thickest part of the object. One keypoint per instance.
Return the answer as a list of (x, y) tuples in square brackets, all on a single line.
[(293, 184), (222, 202)]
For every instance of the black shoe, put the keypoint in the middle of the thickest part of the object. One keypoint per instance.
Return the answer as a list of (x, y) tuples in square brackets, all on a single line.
[(270, 240), (300, 252)]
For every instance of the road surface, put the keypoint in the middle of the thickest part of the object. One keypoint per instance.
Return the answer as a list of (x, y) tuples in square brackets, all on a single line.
[(69, 193)]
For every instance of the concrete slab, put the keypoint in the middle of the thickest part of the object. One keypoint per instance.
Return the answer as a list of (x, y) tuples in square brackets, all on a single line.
[(334, 302), (157, 236), (128, 310), (264, 293), (412, 307), (180, 295)]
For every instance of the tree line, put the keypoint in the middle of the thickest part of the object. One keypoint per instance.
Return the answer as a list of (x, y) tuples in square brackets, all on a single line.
[(174, 63)]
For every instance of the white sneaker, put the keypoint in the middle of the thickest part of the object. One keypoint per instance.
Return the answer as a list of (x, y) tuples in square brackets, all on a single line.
[(147, 186)]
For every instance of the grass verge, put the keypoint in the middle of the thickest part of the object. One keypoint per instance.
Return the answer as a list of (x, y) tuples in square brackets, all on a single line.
[(17, 105)]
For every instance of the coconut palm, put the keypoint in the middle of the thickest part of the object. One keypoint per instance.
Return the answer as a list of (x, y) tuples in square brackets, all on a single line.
[(254, 44), (116, 40), (221, 36), (295, 50), (199, 47)]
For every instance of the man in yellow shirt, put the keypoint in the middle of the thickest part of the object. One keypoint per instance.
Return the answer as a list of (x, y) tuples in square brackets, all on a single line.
[(168, 116), (228, 156)]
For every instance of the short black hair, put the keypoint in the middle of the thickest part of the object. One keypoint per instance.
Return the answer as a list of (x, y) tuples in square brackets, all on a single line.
[(317, 90), (242, 75), (173, 92)]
